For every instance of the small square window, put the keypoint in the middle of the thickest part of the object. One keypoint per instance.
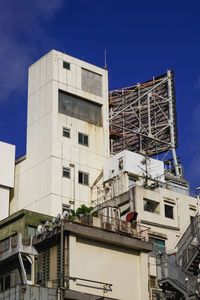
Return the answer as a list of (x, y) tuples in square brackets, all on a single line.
[(151, 206), (66, 172), (83, 178), (66, 132), (83, 139), (66, 65), (169, 211)]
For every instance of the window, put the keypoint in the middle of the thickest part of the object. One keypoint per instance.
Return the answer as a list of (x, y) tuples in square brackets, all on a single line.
[(151, 206), (5, 244), (83, 178), (66, 65), (31, 230), (131, 181), (158, 244), (14, 240), (83, 139), (66, 172), (66, 132), (169, 213), (5, 283), (79, 108)]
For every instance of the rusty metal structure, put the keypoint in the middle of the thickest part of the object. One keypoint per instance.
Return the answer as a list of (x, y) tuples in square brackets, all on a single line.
[(143, 117)]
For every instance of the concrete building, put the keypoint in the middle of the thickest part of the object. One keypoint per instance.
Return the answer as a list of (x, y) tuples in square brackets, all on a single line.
[(94, 262), (17, 254), (68, 163), (67, 134), (7, 163)]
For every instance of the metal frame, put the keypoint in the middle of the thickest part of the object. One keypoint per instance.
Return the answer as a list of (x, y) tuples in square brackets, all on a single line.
[(143, 117)]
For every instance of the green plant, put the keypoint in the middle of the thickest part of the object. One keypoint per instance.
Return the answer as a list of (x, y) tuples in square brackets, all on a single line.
[(82, 211)]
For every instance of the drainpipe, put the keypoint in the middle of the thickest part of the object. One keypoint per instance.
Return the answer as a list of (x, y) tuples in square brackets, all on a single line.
[(61, 259)]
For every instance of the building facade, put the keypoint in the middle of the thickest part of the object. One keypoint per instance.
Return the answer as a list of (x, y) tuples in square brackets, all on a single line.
[(7, 163), (67, 134)]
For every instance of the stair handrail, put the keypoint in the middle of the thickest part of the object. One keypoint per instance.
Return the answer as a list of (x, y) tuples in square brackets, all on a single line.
[(170, 270), (188, 236)]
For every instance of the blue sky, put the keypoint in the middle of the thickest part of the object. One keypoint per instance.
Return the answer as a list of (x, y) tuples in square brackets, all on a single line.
[(143, 39)]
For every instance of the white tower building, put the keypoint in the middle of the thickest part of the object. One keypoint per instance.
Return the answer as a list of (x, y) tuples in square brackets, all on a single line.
[(67, 134), (7, 165)]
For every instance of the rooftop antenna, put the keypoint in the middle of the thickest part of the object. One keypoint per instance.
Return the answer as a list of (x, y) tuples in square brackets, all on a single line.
[(105, 57)]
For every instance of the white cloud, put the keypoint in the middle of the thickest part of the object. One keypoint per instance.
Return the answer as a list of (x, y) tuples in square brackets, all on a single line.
[(22, 34)]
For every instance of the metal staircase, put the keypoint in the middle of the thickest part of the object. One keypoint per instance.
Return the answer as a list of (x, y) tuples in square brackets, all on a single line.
[(179, 271)]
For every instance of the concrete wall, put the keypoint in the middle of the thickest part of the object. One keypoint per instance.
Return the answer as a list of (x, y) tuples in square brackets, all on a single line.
[(39, 184), (172, 229), (127, 270), (7, 162), (133, 163)]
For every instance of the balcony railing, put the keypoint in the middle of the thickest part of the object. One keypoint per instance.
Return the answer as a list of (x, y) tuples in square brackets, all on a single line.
[(105, 222)]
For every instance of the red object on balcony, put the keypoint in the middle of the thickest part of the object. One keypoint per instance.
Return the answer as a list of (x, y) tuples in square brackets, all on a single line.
[(132, 216)]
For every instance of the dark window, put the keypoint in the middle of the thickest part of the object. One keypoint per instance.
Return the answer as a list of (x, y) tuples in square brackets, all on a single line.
[(14, 240), (158, 244), (7, 282), (151, 206), (66, 172), (66, 132), (79, 108), (169, 211), (66, 65), (83, 139), (5, 244), (83, 178)]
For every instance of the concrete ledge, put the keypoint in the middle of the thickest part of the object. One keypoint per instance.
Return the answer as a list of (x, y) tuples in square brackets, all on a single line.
[(160, 225), (96, 234), (70, 294), (109, 237)]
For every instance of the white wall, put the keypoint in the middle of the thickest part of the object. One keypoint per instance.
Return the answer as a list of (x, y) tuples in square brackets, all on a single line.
[(39, 183), (7, 163), (127, 270), (4, 202), (133, 163), (174, 228)]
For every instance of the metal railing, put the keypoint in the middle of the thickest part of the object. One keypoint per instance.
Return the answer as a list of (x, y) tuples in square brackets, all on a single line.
[(168, 269), (88, 283), (134, 229), (191, 232)]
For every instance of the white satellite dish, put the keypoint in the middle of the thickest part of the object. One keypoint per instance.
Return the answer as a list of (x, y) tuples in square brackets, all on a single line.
[(54, 220), (40, 229), (47, 224), (65, 214)]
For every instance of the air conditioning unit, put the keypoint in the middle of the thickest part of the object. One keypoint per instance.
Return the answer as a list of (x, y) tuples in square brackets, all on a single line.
[(107, 226), (125, 227)]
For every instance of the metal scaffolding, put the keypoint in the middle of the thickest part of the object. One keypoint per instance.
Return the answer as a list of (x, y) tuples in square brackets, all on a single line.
[(143, 117)]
